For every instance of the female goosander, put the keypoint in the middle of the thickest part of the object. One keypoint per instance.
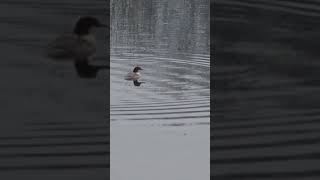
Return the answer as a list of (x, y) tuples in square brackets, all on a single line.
[(79, 46), (134, 75)]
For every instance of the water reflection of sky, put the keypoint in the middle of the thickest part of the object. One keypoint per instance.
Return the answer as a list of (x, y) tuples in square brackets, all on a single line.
[(167, 117)]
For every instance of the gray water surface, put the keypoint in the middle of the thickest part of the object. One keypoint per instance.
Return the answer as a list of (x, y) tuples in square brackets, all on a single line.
[(53, 123), (267, 90), (169, 40), (163, 123)]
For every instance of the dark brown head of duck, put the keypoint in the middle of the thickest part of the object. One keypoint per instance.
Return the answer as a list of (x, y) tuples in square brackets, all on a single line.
[(85, 24)]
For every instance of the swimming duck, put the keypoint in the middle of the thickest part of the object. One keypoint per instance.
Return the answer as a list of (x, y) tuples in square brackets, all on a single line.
[(78, 45), (134, 75)]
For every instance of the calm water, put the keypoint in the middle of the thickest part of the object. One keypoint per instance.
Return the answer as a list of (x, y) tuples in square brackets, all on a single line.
[(170, 41), (53, 123), (267, 90)]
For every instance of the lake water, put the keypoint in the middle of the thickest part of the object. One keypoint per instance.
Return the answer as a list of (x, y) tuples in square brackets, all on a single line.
[(160, 129), (266, 79), (53, 123)]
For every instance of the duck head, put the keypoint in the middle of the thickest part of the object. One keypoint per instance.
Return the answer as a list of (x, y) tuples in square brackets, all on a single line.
[(136, 69), (85, 24)]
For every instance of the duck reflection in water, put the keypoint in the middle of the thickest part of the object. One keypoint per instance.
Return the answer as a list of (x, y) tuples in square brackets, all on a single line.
[(85, 70), (137, 83)]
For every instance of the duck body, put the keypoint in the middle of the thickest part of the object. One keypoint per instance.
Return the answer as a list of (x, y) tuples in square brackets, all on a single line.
[(78, 47), (71, 46), (81, 44), (134, 75)]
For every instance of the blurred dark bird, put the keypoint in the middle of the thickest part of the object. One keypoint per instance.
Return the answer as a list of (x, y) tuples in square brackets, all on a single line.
[(78, 46)]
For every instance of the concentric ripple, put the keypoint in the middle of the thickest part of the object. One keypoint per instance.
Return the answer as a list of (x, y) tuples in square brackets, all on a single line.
[(267, 86), (176, 89)]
